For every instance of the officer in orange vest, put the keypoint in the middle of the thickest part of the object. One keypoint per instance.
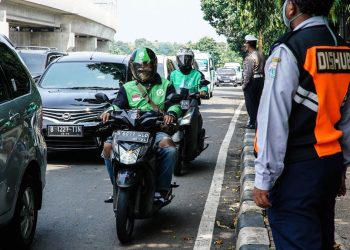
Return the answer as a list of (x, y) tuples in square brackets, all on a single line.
[(303, 134)]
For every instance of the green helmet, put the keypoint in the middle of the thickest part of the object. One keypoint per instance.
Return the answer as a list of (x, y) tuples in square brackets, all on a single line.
[(143, 64)]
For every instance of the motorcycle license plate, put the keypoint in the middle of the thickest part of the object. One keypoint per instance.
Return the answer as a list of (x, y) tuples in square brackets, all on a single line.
[(185, 104), (65, 131), (132, 136)]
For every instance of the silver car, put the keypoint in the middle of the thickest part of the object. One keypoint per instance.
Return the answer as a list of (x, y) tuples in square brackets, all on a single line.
[(22, 151)]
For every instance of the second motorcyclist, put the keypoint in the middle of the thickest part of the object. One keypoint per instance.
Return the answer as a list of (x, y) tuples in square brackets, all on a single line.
[(186, 76), (148, 91), (193, 82)]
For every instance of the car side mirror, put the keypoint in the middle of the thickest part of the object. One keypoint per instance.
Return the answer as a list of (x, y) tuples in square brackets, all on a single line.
[(36, 78), (101, 97)]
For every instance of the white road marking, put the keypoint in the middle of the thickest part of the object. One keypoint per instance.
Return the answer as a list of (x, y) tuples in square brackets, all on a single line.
[(206, 226)]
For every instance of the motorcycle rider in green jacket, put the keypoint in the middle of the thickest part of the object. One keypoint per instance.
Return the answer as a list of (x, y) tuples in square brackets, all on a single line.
[(186, 76), (148, 91)]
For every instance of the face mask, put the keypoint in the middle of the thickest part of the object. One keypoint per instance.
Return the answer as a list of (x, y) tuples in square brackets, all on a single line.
[(286, 21)]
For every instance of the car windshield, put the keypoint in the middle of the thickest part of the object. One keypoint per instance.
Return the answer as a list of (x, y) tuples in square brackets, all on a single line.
[(202, 64), (226, 71), (160, 70), (80, 75), (35, 62)]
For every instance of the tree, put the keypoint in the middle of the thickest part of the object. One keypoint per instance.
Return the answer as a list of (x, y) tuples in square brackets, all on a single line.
[(220, 52), (208, 44), (120, 48), (237, 18)]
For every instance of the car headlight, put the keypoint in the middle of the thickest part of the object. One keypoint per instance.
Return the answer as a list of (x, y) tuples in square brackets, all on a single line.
[(128, 156), (219, 77)]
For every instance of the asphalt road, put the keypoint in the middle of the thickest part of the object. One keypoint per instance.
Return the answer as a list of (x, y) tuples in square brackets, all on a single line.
[(74, 215)]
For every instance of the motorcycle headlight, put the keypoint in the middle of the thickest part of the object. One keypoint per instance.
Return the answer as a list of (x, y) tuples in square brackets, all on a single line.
[(115, 145), (128, 156)]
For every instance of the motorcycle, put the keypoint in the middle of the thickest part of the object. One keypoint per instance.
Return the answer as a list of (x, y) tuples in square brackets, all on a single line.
[(134, 166), (190, 137)]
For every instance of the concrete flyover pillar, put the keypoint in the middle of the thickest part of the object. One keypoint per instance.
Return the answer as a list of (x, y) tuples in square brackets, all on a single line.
[(85, 43), (63, 39), (103, 45), (4, 25)]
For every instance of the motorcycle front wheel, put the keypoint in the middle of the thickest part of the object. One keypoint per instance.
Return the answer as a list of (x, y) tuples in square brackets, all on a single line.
[(179, 163), (124, 215)]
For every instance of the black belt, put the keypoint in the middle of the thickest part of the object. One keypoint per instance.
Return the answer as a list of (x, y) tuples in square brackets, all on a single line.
[(258, 75)]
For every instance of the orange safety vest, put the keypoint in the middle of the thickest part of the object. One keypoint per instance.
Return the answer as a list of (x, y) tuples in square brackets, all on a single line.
[(323, 88)]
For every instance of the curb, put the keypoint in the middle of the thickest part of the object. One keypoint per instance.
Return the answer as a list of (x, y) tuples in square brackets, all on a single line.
[(251, 231)]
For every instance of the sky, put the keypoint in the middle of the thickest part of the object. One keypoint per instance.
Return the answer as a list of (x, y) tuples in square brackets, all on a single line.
[(163, 21)]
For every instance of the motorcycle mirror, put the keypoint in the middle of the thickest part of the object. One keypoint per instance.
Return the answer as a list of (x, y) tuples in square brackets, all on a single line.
[(101, 97), (204, 83)]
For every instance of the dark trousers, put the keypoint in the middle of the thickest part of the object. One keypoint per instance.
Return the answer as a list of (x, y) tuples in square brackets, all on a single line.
[(252, 95), (303, 201)]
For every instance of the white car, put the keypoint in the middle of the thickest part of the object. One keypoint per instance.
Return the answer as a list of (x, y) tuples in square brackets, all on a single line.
[(206, 66), (165, 66)]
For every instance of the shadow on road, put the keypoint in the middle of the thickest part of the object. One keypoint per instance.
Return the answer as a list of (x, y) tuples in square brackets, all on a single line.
[(75, 157)]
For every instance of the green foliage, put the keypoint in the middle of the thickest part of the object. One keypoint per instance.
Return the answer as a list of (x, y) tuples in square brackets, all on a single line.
[(262, 18), (208, 44), (237, 18), (220, 52)]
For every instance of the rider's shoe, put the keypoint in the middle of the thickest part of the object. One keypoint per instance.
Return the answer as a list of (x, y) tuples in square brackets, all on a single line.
[(109, 199), (161, 196)]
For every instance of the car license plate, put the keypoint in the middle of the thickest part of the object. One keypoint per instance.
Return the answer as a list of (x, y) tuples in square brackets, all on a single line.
[(65, 131), (226, 80), (185, 104), (132, 136)]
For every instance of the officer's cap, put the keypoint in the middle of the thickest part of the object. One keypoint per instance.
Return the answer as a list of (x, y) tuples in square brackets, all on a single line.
[(250, 38)]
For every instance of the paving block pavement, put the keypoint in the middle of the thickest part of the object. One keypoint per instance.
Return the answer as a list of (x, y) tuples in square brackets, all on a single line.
[(251, 230)]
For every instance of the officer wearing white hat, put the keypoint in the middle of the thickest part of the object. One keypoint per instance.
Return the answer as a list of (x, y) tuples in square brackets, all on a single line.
[(253, 81), (250, 38)]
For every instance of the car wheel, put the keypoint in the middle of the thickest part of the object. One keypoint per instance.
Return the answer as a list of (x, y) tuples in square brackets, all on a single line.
[(211, 94), (22, 228)]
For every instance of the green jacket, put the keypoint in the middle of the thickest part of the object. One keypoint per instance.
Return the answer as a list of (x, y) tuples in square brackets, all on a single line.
[(191, 81), (129, 96)]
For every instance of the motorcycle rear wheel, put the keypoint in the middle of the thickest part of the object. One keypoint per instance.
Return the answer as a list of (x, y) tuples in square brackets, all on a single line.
[(124, 216)]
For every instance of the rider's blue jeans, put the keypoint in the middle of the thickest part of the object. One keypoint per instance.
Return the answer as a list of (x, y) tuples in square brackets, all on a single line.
[(166, 157)]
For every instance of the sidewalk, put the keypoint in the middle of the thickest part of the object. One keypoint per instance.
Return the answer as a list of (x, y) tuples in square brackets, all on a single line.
[(253, 231)]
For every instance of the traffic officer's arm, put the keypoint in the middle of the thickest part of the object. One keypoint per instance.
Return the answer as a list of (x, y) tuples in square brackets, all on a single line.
[(248, 65), (281, 82), (345, 141)]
